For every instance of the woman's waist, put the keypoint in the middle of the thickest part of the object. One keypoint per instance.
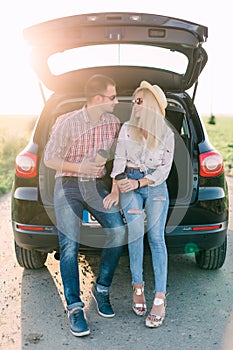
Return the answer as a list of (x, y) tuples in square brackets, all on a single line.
[(140, 170)]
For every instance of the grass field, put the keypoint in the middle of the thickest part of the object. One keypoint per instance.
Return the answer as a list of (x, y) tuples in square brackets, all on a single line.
[(15, 132), (221, 137)]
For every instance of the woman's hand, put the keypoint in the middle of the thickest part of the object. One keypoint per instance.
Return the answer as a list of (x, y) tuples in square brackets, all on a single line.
[(110, 200), (127, 185)]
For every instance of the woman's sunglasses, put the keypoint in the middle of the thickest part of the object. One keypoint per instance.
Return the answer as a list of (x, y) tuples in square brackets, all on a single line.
[(138, 101)]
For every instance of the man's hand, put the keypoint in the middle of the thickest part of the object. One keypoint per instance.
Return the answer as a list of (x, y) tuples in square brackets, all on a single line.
[(90, 167)]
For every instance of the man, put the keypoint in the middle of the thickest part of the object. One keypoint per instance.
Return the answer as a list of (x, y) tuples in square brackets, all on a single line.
[(75, 140)]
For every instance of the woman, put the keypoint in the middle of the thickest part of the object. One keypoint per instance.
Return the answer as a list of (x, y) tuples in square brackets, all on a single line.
[(144, 152)]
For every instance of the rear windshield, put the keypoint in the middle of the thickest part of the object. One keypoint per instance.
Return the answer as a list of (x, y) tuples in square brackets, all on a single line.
[(118, 54)]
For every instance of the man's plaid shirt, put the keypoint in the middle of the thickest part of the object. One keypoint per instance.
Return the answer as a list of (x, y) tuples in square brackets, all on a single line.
[(74, 138)]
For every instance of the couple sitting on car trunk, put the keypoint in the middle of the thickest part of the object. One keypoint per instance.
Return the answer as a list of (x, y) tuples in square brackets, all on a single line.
[(144, 148)]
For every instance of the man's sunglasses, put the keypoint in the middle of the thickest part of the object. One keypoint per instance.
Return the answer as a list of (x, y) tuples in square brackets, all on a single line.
[(111, 98), (138, 101)]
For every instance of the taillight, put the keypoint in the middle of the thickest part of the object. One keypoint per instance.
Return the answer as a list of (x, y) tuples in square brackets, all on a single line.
[(206, 228), (211, 164), (26, 165), (30, 228)]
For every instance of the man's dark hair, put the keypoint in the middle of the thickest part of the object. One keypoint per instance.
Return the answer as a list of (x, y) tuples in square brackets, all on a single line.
[(97, 84)]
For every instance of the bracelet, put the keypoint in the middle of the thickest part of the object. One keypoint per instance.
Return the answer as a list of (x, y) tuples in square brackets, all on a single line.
[(139, 184)]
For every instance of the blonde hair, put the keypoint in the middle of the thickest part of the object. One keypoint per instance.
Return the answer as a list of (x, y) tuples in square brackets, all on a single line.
[(151, 120)]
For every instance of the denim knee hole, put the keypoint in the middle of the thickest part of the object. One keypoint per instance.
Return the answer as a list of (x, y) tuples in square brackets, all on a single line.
[(159, 198), (134, 211)]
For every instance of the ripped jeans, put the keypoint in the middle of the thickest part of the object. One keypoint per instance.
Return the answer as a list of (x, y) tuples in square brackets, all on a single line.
[(155, 201)]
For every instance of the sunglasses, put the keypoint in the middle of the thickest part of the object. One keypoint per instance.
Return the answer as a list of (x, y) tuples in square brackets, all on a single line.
[(111, 98), (138, 101)]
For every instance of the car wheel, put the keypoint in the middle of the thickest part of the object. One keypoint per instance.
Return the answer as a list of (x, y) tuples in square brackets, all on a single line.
[(212, 259), (30, 259)]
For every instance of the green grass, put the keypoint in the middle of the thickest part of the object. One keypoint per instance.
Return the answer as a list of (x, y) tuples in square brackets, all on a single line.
[(221, 136), (15, 132)]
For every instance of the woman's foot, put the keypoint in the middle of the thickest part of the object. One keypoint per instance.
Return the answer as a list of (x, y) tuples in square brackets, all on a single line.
[(139, 302), (157, 314)]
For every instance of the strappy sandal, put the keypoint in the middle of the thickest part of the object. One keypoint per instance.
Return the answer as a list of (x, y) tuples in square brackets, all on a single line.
[(139, 308), (154, 321)]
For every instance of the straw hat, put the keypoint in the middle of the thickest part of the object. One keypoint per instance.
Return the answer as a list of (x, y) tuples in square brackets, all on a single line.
[(158, 94)]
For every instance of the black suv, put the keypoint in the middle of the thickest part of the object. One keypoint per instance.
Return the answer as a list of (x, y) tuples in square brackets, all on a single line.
[(129, 47)]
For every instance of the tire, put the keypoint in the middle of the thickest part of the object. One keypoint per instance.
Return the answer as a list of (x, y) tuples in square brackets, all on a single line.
[(212, 259), (30, 259)]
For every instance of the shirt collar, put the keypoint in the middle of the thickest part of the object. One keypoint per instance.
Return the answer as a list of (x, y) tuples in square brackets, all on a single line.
[(87, 118), (85, 114)]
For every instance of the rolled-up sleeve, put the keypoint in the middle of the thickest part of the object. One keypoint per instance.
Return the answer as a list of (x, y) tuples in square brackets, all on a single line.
[(59, 140), (120, 153), (162, 171)]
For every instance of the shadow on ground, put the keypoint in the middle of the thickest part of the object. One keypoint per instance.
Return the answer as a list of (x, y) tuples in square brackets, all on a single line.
[(198, 312)]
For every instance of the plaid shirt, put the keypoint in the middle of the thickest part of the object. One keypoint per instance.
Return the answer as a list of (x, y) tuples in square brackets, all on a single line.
[(74, 138)]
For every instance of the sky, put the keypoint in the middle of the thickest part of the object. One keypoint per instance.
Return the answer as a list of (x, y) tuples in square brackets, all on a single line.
[(19, 89)]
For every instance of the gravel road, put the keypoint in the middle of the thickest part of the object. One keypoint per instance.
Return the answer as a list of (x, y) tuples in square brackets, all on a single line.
[(199, 312)]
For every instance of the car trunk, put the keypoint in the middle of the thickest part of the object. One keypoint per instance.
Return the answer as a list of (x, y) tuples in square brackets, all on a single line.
[(181, 182), (60, 36)]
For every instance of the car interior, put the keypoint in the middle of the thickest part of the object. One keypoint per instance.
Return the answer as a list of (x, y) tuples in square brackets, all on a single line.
[(175, 115)]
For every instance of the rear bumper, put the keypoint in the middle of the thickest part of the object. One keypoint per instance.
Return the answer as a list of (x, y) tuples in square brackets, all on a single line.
[(45, 240), (183, 233), (193, 242), (181, 239)]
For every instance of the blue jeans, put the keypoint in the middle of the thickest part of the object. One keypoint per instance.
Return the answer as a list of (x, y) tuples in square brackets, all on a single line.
[(155, 201), (70, 198)]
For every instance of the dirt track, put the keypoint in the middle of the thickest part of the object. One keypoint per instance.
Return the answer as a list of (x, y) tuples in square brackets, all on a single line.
[(199, 314)]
